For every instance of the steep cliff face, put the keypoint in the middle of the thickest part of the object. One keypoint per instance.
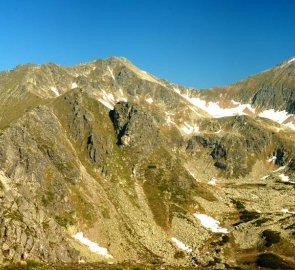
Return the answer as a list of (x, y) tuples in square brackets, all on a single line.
[(106, 162), (35, 171)]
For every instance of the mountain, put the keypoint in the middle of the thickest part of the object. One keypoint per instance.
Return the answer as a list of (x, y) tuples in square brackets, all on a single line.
[(105, 162), (273, 88)]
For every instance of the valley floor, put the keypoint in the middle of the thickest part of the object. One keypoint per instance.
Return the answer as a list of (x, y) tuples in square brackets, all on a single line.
[(92, 266)]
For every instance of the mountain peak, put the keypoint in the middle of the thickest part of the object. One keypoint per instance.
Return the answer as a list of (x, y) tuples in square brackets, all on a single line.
[(124, 166)]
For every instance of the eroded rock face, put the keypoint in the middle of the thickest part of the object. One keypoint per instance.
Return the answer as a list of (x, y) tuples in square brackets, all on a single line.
[(236, 150), (27, 231), (134, 127), (35, 169)]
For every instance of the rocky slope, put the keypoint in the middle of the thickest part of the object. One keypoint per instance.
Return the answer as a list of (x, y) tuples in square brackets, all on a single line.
[(105, 162), (271, 89)]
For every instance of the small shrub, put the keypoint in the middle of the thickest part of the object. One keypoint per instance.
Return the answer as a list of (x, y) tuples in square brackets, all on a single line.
[(29, 265), (271, 261), (65, 219), (271, 237), (105, 213), (291, 227), (224, 239), (246, 216), (179, 254), (259, 222), (238, 204), (48, 197)]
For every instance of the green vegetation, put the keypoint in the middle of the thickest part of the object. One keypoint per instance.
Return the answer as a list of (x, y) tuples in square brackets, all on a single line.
[(152, 166), (31, 265), (246, 216), (179, 254), (271, 261), (83, 207), (291, 227), (28, 265), (48, 197), (271, 237), (157, 205), (238, 204), (105, 213), (168, 186), (261, 221), (65, 219), (224, 240)]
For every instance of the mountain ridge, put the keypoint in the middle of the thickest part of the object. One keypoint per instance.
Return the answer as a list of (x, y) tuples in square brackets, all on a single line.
[(126, 166)]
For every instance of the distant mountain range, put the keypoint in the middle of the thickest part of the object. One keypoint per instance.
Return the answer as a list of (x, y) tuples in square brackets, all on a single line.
[(105, 162)]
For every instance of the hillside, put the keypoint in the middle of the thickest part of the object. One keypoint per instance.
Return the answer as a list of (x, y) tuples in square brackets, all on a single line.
[(104, 162)]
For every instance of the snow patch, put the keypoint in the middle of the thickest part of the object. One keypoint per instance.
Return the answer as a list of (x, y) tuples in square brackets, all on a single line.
[(94, 68), (280, 117), (121, 96), (264, 177), (188, 129), (106, 104), (122, 99), (285, 210), (235, 102), (284, 177), (272, 159), (214, 109), (181, 245), (177, 91), (290, 125), (108, 96), (94, 247), (111, 72), (54, 90), (280, 169), (149, 100), (210, 223), (74, 85), (121, 91), (277, 116), (169, 120), (212, 182), (107, 100), (291, 60)]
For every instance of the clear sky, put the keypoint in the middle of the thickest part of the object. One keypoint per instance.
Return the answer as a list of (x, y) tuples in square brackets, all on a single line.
[(194, 43)]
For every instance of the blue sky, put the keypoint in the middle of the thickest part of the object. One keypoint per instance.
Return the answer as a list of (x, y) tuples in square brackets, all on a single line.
[(195, 43)]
